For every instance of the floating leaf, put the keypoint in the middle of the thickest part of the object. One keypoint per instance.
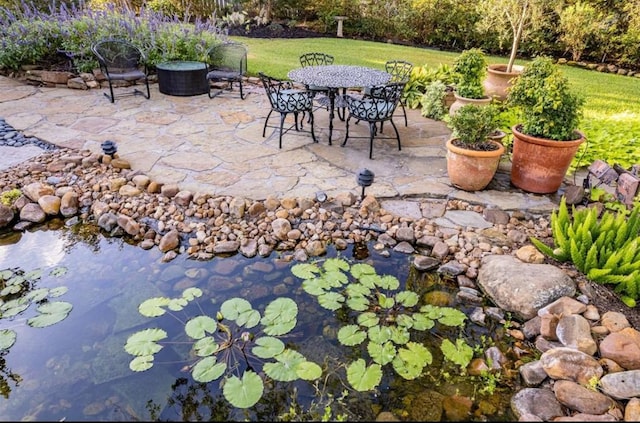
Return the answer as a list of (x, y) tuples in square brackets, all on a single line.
[(152, 307), (177, 304), (382, 353), (280, 329), (205, 346), (10, 290), (369, 280), (51, 313), (335, 264), (368, 319), (400, 335), (386, 302), (351, 335), (207, 370), (33, 275), (361, 269), (308, 370), (267, 347), (13, 307), (305, 270), (359, 303), (314, 286), (248, 319), (459, 353), (58, 271), (231, 308), (191, 293), (144, 342), (407, 298), (404, 320), (141, 363), (364, 378), (331, 300), (452, 317), (408, 370), (245, 392), (58, 291), (6, 274), (357, 289), (335, 279), (422, 322), (388, 282), (284, 369), (15, 280), (379, 334), (280, 310), (55, 307), (199, 326), (7, 339)]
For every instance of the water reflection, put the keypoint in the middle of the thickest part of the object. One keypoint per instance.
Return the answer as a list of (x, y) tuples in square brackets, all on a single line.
[(79, 370)]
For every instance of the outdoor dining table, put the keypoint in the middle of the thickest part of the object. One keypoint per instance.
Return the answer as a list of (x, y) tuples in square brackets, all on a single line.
[(337, 77)]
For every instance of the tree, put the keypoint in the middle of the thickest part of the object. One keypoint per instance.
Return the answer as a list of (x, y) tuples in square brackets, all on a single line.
[(512, 19), (579, 23)]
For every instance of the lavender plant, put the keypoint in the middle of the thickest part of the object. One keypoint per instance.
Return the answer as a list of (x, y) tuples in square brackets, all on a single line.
[(30, 36)]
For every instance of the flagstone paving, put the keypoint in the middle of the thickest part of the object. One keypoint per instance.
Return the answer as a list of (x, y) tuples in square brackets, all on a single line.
[(216, 146)]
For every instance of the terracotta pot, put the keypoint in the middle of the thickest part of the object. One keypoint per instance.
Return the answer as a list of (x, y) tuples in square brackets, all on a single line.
[(461, 101), (472, 170), (497, 136), (498, 80), (539, 165)]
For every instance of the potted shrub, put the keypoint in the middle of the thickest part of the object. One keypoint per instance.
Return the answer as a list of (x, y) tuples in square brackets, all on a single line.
[(472, 157), (512, 20), (469, 68), (547, 138)]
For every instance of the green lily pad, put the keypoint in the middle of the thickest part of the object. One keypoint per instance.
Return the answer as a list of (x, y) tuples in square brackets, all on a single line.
[(388, 282), (359, 303), (141, 363), (7, 339), (245, 392), (207, 370), (205, 347), (335, 264), (407, 298), (177, 304), (382, 353), (368, 319), (459, 353), (267, 347), (363, 378), (145, 341), (199, 326), (331, 300), (308, 370), (153, 306), (280, 310), (192, 293), (248, 319), (305, 270), (351, 335), (232, 307), (284, 369)]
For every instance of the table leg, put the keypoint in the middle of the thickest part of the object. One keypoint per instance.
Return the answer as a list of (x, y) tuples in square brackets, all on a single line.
[(332, 102), (342, 115)]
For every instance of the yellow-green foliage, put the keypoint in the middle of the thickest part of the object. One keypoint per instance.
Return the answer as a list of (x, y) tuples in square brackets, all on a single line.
[(605, 249), (8, 197)]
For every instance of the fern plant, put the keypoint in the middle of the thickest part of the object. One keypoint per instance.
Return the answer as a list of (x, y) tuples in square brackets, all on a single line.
[(605, 249)]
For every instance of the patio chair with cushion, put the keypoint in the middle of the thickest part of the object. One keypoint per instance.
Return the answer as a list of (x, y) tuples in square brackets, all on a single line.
[(227, 63), (120, 60), (376, 108), (285, 99), (316, 59), (400, 71)]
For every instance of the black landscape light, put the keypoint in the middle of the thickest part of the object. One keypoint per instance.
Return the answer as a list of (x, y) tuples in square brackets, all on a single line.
[(365, 179), (109, 147)]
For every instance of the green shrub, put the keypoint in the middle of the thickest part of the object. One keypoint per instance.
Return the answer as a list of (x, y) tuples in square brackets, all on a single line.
[(470, 68)]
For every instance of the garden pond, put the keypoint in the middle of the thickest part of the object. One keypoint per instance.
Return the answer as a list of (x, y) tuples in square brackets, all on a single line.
[(81, 311)]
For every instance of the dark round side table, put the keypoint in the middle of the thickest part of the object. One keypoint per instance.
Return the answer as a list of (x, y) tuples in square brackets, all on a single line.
[(183, 78)]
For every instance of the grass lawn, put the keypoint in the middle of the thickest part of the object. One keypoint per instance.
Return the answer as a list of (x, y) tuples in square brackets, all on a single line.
[(611, 114)]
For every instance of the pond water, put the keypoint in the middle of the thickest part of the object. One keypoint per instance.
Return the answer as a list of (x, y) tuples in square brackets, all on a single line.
[(78, 369)]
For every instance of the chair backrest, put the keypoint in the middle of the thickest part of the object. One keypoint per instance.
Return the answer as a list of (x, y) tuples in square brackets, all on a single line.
[(380, 106), (230, 56), (315, 59), (283, 97), (117, 55), (399, 70)]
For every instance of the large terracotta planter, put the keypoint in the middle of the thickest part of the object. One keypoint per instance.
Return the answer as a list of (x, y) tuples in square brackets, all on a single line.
[(472, 170), (498, 80), (461, 101), (539, 165)]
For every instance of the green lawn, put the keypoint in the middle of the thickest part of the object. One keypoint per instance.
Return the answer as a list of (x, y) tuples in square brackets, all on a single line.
[(611, 115)]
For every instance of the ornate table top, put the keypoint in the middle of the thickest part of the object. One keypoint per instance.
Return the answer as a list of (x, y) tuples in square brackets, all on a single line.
[(339, 76)]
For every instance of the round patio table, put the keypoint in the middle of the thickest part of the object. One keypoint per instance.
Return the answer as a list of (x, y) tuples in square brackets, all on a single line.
[(337, 77)]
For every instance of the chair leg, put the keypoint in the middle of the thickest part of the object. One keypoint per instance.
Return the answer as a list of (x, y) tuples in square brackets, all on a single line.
[(112, 98), (146, 82), (264, 128), (404, 112), (397, 135), (372, 132), (313, 135), (346, 133), (242, 96), (282, 118)]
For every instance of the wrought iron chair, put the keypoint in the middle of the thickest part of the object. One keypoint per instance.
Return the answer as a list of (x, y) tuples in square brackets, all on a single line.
[(120, 60), (285, 99), (400, 71), (317, 59), (227, 63), (377, 108)]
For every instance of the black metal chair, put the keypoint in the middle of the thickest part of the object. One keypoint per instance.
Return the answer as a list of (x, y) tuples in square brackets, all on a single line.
[(317, 59), (400, 71), (285, 99), (377, 108), (227, 63), (120, 60)]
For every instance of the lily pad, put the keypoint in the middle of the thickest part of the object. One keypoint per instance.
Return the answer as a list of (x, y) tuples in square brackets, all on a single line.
[(351, 335), (153, 306), (268, 347), (207, 370), (145, 341), (232, 308), (363, 378), (245, 392), (7, 339), (199, 326)]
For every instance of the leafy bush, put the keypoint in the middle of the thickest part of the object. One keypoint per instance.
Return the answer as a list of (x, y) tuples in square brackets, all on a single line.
[(605, 250), (432, 101), (470, 68), (472, 124)]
